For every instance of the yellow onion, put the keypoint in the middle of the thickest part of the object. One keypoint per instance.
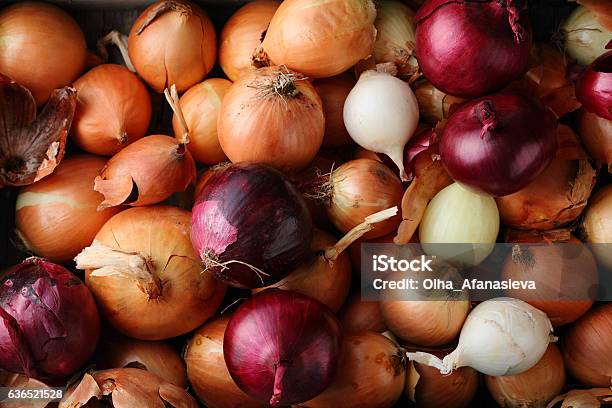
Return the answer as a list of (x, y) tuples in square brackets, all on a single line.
[(242, 34), (593, 398), (208, 372), (597, 225), (273, 116), (319, 38), (42, 47), (532, 388), (57, 217), (585, 38), (200, 106), (173, 42), (333, 92), (596, 134), (434, 105), (146, 276), (358, 315)]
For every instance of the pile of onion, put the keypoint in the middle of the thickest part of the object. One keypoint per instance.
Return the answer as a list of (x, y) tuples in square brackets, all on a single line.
[(242, 34), (596, 134), (498, 144), (585, 36), (594, 87), (333, 92), (49, 323), (113, 110), (358, 315), (62, 205), (250, 226), (597, 225), (146, 276), (282, 347), (304, 35), (43, 48), (173, 42)]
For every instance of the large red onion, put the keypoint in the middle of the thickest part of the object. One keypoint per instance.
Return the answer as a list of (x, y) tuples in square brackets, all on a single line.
[(470, 48), (250, 226), (498, 144), (594, 88), (282, 347), (49, 323)]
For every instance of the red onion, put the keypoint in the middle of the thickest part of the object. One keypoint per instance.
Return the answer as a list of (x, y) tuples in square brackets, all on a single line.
[(49, 323), (594, 88), (472, 47), (282, 347), (250, 226), (498, 144)]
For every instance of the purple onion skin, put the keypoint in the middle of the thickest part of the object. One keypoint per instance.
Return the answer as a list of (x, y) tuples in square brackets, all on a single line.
[(594, 88), (470, 48), (49, 324), (277, 327), (498, 144), (250, 216)]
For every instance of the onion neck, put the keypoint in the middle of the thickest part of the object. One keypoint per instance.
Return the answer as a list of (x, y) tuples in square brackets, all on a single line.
[(120, 40), (486, 116), (279, 374), (514, 9), (161, 8), (174, 102)]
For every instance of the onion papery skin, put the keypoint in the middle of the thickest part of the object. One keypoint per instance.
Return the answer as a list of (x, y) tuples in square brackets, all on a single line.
[(173, 42), (587, 349), (527, 388), (360, 188), (304, 35), (594, 88), (301, 360), (272, 116), (371, 374), (322, 279), (455, 42), (585, 38), (42, 47), (596, 134), (113, 110), (201, 105), (241, 36), (358, 315), (498, 144), (434, 105), (333, 92), (62, 205), (49, 324), (208, 373), (177, 299), (597, 225), (250, 226)]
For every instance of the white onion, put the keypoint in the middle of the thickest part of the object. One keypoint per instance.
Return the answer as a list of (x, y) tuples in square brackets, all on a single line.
[(381, 114), (456, 215), (502, 336), (585, 38)]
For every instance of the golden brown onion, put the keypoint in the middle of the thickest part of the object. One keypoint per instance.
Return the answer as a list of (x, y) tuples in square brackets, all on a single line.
[(597, 225), (434, 105), (358, 315), (333, 92), (596, 134)]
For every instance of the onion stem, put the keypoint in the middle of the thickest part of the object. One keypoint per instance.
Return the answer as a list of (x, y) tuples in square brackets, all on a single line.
[(120, 40), (161, 8), (173, 99)]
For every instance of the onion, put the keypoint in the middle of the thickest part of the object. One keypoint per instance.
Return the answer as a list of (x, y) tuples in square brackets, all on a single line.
[(358, 315), (273, 116), (371, 373), (242, 34), (597, 225), (596, 134), (595, 397), (21, 382), (31, 146), (250, 226), (527, 388), (282, 347), (49, 323), (456, 42), (173, 42), (434, 105), (157, 357), (587, 348), (456, 215), (395, 37), (501, 336), (113, 110), (200, 107), (205, 176), (319, 39), (208, 373), (146, 276), (585, 38), (498, 144), (126, 388), (594, 87), (557, 196), (381, 114), (333, 92), (43, 48)]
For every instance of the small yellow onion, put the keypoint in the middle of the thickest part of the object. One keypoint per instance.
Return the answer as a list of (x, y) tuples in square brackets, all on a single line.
[(532, 388), (200, 106), (333, 92), (596, 134), (434, 105), (585, 37), (56, 217), (597, 225), (242, 34), (320, 38), (358, 315)]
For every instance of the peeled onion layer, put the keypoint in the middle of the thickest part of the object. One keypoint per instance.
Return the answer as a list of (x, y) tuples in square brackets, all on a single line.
[(594, 87), (32, 145)]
